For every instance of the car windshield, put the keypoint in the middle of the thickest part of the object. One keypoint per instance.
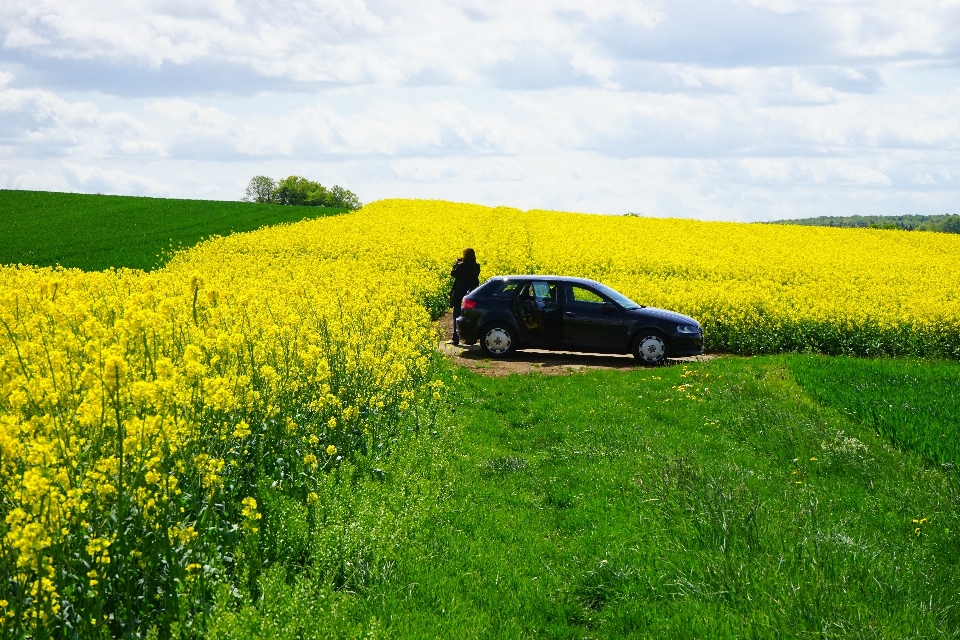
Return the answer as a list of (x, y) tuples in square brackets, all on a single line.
[(620, 299)]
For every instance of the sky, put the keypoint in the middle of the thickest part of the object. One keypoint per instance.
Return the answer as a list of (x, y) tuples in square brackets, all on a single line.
[(719, 110)]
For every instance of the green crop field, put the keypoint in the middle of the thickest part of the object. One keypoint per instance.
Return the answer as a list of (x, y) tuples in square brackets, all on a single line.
[(95, 232), (913, 403)]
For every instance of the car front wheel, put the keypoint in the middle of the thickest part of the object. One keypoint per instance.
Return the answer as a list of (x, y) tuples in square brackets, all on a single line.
[(650, 348), (497, 340)]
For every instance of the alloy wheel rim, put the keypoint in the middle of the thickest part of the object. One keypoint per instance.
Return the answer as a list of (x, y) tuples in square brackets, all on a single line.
[(652, 349), (497, 340)]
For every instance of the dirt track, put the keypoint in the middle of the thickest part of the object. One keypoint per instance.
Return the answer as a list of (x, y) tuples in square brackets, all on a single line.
[(529, 360)]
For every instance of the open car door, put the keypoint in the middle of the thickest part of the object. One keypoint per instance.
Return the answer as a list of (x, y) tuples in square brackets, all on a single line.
[(539, 314)]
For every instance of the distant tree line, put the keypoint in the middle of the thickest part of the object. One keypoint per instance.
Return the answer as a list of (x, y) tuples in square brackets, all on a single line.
[(946, 223), (299, 192)]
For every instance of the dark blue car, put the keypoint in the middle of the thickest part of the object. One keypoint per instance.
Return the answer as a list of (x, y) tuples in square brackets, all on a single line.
[(572, 314)]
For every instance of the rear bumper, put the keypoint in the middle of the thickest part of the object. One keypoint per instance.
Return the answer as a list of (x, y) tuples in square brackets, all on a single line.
[(467, 329)]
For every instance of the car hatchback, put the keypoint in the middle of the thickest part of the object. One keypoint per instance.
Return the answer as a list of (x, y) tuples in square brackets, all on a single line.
[(572, 314)]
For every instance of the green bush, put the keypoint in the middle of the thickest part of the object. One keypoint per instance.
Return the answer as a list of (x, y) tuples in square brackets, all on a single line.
[(297, 191)]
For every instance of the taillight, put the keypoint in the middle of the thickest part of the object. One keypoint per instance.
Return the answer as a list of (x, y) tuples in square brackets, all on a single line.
[(468, 303)]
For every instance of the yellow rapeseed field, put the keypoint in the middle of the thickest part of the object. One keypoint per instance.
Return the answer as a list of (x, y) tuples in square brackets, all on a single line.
[(140, 412)]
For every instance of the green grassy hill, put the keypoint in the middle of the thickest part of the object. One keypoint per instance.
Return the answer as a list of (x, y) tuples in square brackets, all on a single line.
[(96, 232)]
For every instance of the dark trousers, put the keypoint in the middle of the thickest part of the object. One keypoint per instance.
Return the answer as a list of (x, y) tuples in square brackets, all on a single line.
[(456, 314)]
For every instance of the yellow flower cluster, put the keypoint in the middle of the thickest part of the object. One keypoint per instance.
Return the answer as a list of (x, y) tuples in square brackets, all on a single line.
[(249, 513), (137, 408), (755, 288), (772, 288)]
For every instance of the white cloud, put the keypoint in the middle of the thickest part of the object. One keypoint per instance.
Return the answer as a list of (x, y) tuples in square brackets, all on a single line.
[(734, 109), (22, 38), (109, 180)]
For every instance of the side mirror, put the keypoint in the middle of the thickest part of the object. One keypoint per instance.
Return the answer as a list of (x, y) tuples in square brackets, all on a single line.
[(608, 307)]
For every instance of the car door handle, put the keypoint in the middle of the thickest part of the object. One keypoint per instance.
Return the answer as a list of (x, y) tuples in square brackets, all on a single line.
[(570, 313)]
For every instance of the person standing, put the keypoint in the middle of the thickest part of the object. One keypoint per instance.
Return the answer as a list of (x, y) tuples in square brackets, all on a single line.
[(466, 277)]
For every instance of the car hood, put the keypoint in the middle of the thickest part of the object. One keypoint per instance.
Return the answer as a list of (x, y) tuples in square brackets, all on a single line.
[(662, 314)]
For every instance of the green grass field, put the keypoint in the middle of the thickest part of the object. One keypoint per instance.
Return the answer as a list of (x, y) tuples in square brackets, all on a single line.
[(720, 500), (914, 404), (95, 232)]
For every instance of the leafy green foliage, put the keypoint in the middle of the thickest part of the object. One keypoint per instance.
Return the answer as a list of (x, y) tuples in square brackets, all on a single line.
[(260, 189), (951, 224), (300, 192), (946, 223), (95, 232), (865, 338), (914, 403)]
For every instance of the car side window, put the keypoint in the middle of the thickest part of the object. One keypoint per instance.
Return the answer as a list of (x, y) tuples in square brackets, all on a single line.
[(581, 295), (508, 290), (541, 291)]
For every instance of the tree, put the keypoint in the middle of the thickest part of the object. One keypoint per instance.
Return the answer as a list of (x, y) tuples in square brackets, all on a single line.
[(344, 199), (951, 224), (260, 189), (297, 191)]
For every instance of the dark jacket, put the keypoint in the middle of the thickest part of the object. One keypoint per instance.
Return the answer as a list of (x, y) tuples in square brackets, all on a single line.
[(466, 276)]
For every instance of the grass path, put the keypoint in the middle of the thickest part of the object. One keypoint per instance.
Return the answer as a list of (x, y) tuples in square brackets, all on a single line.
[(612, 504)]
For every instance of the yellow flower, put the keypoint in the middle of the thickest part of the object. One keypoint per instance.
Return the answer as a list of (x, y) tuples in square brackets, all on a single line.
[(196, 281), (249, 510), (242, 430), (113, 370), (331, 450)]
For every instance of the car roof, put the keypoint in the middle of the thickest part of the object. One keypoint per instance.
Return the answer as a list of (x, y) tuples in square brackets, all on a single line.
[(538, 277)]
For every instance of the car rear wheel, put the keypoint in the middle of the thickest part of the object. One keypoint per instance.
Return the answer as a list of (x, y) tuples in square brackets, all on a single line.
[(650, 348), (498, 340)]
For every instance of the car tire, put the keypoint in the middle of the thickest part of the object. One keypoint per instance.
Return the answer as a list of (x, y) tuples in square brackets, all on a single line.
[(650, 348), (498, 340)]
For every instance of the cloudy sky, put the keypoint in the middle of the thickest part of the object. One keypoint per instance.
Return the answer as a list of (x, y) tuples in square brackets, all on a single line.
[(733, 110)]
